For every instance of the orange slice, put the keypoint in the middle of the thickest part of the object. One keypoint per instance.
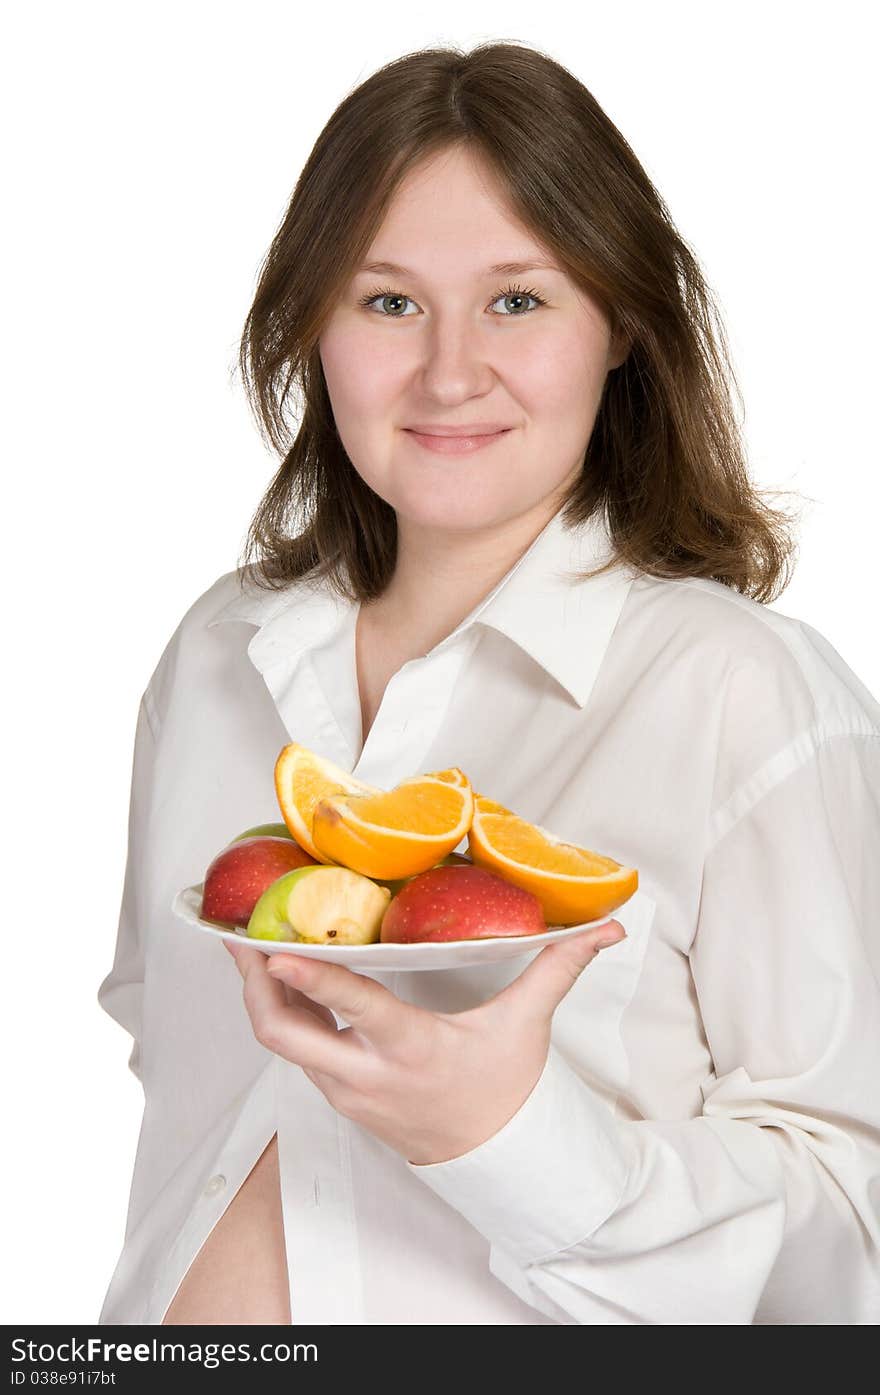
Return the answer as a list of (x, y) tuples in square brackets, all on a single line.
[(453, 776), (573, 884), (301, 779), (397, 833)]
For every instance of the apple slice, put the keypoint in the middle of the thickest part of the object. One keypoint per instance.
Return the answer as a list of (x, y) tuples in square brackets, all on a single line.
[(320, 905), (241, 872)]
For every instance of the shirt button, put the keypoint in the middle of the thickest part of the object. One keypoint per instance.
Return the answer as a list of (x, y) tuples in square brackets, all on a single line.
[(215, 1185)]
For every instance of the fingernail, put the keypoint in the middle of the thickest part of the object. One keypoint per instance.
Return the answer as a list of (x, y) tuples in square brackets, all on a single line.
[(605, 944), (282, 963)]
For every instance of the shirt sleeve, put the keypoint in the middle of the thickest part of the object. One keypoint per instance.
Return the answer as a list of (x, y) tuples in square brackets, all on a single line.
[(764, 1208), (121, 992)]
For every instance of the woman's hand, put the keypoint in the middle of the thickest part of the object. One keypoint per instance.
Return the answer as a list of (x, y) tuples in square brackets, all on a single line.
[(431, 1085)]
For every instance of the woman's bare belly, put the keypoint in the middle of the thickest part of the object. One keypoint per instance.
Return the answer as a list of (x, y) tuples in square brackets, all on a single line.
[(240, 1274)]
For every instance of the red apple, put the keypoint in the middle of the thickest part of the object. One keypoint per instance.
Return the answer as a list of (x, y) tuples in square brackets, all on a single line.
[(460, 903), (239, 875)]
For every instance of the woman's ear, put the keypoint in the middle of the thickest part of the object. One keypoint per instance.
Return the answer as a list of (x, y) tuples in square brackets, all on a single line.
[(618, 349)]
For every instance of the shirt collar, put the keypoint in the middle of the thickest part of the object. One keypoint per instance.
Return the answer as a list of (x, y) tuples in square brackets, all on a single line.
[(563, 624)]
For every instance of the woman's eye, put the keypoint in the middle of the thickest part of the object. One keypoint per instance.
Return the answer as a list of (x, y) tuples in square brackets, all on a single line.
[(388, 303), (387, 296), (519, 296)]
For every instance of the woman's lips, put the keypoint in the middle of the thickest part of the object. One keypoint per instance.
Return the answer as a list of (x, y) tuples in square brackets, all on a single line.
[(456, 445)]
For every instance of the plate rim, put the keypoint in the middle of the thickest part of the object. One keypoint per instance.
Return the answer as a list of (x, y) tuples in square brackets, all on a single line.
[(299, 946)]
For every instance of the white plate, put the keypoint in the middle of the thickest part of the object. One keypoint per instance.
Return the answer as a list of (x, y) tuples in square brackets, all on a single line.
[(452, 954)]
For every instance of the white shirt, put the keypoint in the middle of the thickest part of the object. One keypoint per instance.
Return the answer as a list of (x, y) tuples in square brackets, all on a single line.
[(703, 1145)]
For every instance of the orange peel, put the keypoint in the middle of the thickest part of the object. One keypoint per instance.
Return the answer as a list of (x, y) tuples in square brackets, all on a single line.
[(573, 884)]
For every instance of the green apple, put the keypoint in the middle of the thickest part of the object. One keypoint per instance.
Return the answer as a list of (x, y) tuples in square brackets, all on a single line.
[(268, 830), (320, 905)]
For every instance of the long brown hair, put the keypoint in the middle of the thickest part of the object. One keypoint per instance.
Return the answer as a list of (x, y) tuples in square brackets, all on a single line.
[(665, 460)]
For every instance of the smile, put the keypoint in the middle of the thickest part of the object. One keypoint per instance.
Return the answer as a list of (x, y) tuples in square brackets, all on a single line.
[(455, 445)]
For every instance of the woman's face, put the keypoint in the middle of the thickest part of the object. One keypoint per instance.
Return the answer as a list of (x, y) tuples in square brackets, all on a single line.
[(449, 342)]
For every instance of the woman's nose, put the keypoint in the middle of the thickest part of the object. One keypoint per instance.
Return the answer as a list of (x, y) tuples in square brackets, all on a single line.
[(456, 357)]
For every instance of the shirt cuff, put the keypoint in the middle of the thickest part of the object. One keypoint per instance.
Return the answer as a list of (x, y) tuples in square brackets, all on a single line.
[(546, 1180)]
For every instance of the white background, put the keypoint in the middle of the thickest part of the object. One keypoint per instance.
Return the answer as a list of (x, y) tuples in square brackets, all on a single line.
[(151, 151)]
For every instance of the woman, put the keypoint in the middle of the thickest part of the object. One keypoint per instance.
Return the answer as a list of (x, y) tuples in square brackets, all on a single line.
[(686, 1128)]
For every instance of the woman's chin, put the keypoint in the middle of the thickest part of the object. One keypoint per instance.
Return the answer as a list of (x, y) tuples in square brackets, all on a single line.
[(460, 512)]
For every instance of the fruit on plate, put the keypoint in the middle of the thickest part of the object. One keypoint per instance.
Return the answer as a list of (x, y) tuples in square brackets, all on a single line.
[(238, 876), (321, 906), (395, 833), (451, 860), (265, 830), (302, 778), (460, 903), (573, 884)]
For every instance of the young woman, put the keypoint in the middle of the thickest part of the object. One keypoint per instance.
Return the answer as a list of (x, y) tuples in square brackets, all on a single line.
[(512, 531)]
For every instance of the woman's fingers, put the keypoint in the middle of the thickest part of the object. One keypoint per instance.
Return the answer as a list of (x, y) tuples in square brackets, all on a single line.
[(299, 1000), (300, 1031), (542, 985)]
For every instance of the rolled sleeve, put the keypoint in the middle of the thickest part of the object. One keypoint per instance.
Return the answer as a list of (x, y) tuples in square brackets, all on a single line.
[(549, 1178), (762, 1209)]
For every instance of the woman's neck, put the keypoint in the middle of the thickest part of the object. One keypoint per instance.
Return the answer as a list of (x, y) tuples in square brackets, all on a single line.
[(440, 577)]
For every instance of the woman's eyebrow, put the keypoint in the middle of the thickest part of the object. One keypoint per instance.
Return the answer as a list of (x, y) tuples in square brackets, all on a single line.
[(498, 269)]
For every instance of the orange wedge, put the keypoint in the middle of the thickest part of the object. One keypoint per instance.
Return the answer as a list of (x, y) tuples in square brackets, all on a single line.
[(301, 779), (573, 884), (397, 833)]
